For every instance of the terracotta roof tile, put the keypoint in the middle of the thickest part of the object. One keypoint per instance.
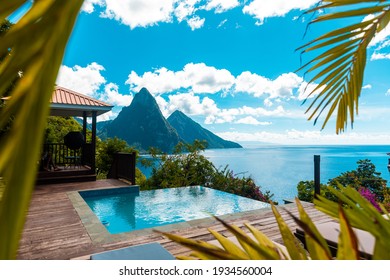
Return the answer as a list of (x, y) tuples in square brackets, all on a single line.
[(65, 96)]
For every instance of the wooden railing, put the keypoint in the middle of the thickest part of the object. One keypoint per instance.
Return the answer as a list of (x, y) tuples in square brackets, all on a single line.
[(62, 155)]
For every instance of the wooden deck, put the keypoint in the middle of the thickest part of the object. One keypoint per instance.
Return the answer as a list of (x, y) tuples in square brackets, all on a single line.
[(53, 228)]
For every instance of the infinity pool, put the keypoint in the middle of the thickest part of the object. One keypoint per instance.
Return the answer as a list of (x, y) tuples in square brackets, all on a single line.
[(127, 209)]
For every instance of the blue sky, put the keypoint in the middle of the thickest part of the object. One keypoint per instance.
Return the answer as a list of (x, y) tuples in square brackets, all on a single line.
[(228, 64)]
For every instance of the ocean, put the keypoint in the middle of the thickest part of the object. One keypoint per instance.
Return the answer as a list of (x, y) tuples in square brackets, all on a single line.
[(279, 168)]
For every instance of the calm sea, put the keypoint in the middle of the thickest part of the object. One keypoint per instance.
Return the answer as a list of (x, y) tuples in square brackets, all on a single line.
[(280, 168)]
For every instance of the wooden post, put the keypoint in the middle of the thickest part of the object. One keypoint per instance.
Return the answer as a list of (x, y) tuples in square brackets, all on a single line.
[(85, 126), (93, 141), (85, 137), (317, 165)]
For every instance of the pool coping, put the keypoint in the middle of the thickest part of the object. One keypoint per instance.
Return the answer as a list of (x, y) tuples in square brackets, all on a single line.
[(100, 235)]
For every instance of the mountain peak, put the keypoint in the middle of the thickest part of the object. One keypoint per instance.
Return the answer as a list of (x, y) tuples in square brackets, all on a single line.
[(142, 125), (189, 131), (144, 96)]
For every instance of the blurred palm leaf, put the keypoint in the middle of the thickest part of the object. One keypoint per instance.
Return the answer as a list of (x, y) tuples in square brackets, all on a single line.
[(356, 211), (361, 214), (339, 67), (34, 46)]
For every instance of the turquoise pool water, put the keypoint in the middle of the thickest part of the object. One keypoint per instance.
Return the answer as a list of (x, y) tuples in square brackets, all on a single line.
[(125, 209)]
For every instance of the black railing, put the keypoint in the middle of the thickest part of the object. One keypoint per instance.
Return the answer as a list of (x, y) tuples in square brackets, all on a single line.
[(64, 156), (123, 167)]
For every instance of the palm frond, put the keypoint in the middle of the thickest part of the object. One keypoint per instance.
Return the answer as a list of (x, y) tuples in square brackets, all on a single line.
[(360, 214), (37, 42), (343, 51)]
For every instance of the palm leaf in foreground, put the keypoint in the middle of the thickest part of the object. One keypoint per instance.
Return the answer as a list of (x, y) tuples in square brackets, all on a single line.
[(355, 212), (360, 214), (340, 67), (37, 42)]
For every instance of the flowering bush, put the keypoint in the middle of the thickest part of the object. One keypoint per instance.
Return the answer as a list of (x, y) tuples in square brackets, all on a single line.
[(371, 197)]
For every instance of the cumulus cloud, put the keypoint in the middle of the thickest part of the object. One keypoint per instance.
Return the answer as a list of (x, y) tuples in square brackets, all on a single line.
[(257, 85), (262, 9), (195, 22), (90, 81), (188, 103), (192, 104), (235, 114), (382, 38), (378, 56), (199, 77), (113, 97), (252, 121), (306, 91), (185, 9), (221, 6), (379, 42), (139, 13), (86, 80)]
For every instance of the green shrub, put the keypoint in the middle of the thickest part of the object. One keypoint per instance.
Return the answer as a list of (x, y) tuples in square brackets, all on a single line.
[(105, 154), (365, 176), (186, 166)]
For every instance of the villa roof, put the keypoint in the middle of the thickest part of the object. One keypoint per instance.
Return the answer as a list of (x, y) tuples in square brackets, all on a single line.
[(65, 102)]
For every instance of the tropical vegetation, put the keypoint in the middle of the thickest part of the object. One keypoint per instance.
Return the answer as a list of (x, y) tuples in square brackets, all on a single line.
[(105, 155), (365, 179), (186, 166)]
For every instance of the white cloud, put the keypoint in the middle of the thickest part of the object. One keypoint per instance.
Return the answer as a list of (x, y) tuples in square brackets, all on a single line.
[(252, 121), (262, 9), (89, 5), (378, 56), (191, 104), (257, 85), (199, 77), (188, 103), (234, 114), (388, 92), (138, 13), (222, 23), (368, 86), (221, 6), (89, 80), (110, 115), (86, 80), (195, 22), (308, 137), (185, 9), (305, 89), (113, 97)]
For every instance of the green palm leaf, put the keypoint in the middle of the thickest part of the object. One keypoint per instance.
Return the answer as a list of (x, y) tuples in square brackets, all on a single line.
[(37, 42), (343, 51)]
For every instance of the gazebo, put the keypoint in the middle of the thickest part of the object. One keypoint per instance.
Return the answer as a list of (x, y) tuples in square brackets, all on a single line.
[(68, 103)]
